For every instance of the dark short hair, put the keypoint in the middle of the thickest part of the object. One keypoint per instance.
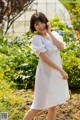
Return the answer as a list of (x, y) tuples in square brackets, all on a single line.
[(37, 16)]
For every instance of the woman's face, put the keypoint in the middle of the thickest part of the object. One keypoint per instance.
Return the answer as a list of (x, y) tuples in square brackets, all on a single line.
[(40, 27)]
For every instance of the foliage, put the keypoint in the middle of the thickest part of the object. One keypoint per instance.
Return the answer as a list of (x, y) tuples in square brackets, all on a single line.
[(64, 30), (71, 63), (13, 101), (10, 10), (73, 6), (18, 62)]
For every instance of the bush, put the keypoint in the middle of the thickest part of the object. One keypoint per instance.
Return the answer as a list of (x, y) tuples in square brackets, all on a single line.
[(64, 30), (17, 62), (74, 9), (71, 63)]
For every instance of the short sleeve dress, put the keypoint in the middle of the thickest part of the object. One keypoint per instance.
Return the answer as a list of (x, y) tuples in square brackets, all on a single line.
[(50, 88)]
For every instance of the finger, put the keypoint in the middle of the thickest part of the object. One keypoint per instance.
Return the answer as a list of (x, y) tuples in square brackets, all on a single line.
[(65, 77)]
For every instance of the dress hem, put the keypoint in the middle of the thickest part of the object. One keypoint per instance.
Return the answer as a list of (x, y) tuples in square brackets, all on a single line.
[(50, 105)]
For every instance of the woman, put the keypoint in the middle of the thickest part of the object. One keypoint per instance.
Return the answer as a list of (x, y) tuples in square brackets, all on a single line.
[(51, 87)]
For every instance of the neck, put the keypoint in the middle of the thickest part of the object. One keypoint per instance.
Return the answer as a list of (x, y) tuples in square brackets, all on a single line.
[(43, 34)]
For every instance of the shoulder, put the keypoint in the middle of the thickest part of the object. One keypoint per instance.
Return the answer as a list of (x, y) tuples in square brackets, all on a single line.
[(35, 37), (37, 40)]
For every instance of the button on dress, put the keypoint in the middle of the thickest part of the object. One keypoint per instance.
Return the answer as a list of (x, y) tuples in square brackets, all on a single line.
[(50, 88)]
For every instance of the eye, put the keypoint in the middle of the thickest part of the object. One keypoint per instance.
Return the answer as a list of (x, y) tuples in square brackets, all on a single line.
[(42, 23), (36, 23)]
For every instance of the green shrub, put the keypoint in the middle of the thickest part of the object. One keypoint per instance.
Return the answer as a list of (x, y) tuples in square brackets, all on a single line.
[(73, 8), (63, 29), (18, 62), (71, 63)]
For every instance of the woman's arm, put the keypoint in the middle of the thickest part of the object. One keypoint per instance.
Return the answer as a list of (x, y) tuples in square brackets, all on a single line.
[(48, 61), (59, 44)]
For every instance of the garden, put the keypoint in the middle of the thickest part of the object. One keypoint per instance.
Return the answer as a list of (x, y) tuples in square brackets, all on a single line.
[(18, 66)]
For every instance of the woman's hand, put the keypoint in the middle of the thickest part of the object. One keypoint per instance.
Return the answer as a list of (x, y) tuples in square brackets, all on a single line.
[(64, 74), (48, 27)]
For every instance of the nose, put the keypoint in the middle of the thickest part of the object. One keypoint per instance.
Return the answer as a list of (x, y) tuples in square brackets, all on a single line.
[(40, 25)]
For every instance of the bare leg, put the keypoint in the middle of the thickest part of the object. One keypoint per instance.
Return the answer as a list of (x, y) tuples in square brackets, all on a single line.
[(51, 113), (31, 113)]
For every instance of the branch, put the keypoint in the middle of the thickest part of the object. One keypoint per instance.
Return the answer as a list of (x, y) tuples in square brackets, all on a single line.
[(11, 21)]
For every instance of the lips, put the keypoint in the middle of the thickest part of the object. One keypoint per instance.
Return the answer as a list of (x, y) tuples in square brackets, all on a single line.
[(42, 29)]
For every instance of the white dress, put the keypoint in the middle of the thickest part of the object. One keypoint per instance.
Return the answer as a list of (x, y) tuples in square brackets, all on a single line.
[(50, 88)]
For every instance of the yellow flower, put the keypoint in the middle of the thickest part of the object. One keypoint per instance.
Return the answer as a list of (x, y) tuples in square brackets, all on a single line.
[(20, 101), (8, 69), (15, 110)]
